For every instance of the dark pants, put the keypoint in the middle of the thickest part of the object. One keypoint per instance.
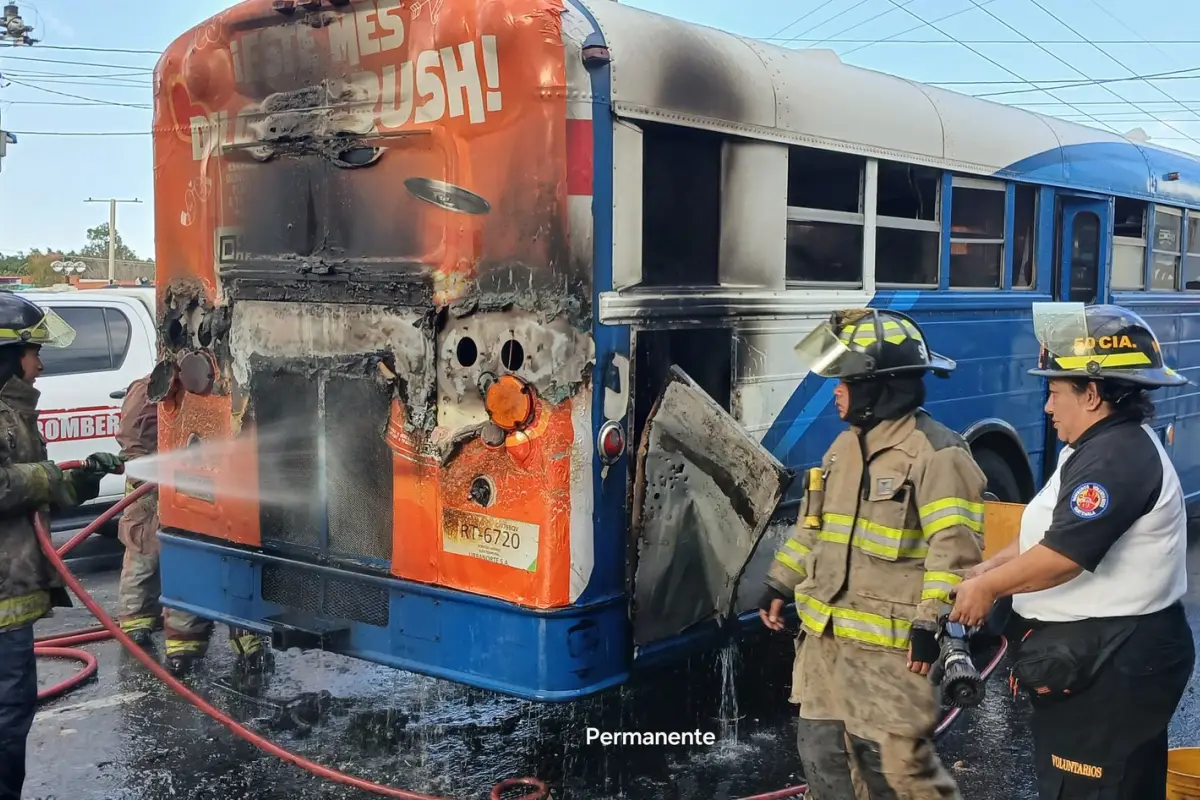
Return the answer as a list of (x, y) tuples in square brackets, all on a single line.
[(1109, 742), (18, 703)]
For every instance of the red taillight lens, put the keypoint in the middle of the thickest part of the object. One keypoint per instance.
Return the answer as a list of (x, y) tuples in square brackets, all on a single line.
[(611, 442)]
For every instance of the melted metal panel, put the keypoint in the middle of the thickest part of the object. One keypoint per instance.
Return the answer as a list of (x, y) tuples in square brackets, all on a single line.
[(704, 494)]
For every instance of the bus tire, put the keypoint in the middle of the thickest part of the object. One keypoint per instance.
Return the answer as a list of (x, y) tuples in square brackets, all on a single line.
[(1002, 483)]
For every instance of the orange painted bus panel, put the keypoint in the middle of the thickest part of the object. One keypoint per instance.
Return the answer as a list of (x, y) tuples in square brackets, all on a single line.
[(450, 107), (206, 493), (517, 549)]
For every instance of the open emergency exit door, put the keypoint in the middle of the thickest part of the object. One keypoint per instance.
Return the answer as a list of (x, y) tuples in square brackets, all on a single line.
[(704, 493)]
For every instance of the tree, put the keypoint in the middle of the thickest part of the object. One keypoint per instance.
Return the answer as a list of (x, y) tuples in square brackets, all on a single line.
[(97, 246), (38, 268)]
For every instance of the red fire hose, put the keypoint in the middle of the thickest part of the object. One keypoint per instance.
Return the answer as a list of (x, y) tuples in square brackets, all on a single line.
[(64, 646), (59, 647)]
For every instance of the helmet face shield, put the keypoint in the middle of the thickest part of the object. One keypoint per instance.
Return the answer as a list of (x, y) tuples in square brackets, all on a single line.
[(1099, 342), (1061, 330), (823, 353), (51, 331)]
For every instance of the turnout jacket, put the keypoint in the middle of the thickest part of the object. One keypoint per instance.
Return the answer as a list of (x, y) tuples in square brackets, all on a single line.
[(29, 586), (899, 524)]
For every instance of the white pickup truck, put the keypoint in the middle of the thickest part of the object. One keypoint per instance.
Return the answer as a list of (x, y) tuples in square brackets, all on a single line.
[(83, 385)]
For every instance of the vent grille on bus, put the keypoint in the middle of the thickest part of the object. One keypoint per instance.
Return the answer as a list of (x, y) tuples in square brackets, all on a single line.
[(331, 497), (310, 592)]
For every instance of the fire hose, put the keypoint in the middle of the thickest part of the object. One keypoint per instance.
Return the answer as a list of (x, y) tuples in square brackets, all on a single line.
[(65, 646)]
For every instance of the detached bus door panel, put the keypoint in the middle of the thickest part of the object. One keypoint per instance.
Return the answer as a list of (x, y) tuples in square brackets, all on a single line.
[(704, 493)]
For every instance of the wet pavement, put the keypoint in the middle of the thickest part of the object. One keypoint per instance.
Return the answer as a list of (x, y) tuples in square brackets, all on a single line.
[(125, 736)]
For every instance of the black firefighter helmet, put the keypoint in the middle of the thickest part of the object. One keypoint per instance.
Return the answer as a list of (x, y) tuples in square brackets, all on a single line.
[(1100, 342), (23, 322), (870, 343)]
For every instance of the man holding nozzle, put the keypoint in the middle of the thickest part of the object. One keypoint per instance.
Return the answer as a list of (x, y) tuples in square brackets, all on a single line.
[(140, 614), (29, 484), (891, 522)]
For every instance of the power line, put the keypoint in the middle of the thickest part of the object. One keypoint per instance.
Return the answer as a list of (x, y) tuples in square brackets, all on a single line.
[(1105, 53), (866, 21), (82, 133), (889, 40), (923, 24), (61, 103), (41, 46), (77, 96), (801, 18), (144, 70), (1001, 66), (1172, 75), (842, 13)]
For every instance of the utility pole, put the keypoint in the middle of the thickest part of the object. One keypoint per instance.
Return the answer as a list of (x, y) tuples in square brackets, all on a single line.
[(112, 232)]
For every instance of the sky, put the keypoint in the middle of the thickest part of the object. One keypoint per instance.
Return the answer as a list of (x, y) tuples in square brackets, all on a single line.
[(97, 58)]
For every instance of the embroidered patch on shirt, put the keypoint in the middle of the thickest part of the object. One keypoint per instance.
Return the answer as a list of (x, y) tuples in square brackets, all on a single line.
[(1089, 500), (885, 487)]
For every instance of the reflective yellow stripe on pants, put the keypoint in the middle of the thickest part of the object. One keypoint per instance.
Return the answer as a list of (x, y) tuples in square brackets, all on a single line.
[(858, 626), (871, 537), (24, 609)]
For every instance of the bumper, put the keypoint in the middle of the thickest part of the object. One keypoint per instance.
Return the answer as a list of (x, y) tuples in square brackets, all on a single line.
[(543, 655)]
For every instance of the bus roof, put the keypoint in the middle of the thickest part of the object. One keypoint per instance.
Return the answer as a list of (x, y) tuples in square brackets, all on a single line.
[(667, 70)]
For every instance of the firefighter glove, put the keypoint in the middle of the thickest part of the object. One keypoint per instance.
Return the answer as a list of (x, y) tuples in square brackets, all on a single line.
[(924, 646), (105, 463)]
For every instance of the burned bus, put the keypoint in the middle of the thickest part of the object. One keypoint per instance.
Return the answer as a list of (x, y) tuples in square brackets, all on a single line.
[(477, 318)]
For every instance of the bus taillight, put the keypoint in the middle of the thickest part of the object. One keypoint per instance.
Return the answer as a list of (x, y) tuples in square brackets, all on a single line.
[(611, 441)]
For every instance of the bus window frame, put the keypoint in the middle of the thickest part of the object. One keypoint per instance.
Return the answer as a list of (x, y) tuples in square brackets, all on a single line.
[(981, 184), (1188, 215), (1152, 212), (864, 218)]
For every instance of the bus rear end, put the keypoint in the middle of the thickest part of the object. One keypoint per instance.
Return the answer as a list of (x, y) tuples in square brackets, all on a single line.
[(375, 305)]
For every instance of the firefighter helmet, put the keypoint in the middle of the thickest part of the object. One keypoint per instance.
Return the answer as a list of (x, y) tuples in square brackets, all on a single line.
[(866, 343), (24, 322), (1099, 342)]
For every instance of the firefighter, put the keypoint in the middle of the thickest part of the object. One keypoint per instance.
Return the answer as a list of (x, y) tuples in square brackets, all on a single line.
[(1097, 574), (29, 483), (187, 636), (871, 563)]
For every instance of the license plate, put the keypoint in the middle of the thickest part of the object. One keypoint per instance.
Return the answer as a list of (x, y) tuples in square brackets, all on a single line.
[(500, 541)]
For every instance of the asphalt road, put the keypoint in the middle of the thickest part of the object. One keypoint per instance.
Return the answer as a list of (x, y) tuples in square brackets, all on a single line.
[(125, 736)]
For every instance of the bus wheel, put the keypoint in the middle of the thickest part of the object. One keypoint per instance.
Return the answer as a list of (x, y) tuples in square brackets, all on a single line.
[(1002, 483), (1000, 478)]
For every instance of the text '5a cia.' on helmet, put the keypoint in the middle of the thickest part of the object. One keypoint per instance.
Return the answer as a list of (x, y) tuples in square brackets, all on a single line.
[(1097, 343), (866, 343), (23, 322)]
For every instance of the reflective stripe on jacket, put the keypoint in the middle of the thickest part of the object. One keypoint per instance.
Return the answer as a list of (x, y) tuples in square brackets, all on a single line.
[(891, 544)]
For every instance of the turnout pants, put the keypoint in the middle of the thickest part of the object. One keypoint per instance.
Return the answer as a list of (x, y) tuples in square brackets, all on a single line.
[(141, 585), (866, 724), (18, 703), (1109, 742)]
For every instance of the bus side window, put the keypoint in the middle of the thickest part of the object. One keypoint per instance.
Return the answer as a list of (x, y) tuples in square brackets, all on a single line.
[(1024, 271), (1129, 245), (681, 206), (908, 236), (1167, 244), (977, 233), (1191, 264), (825, 217)]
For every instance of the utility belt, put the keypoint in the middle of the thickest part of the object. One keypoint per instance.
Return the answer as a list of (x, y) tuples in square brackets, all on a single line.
[(1054, 661)]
